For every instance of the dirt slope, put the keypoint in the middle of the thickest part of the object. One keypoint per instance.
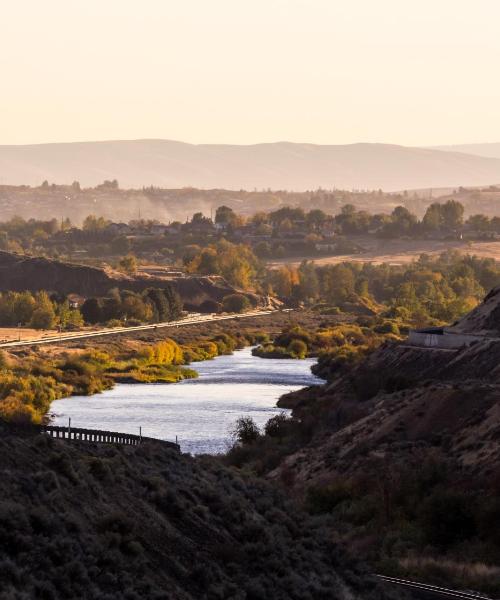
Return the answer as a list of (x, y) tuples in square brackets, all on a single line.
[(19, 272), (404, 401)]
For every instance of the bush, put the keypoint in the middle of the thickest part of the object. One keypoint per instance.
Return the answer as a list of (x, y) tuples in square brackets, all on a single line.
[(322, 499), (387, 327), (447, 517), (235, 303), (115, 323), (297, 349), (210, 306)]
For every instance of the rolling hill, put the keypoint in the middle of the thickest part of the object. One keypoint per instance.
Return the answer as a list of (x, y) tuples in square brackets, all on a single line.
[(281, 165), (491, 150)]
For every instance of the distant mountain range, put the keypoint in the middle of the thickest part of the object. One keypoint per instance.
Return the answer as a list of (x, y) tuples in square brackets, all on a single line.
[(491, 150), (280, 165)]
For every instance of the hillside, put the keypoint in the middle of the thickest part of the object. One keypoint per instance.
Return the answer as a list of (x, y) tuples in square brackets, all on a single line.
[(491, 150), (106, 522), (281, 165), (403, 450), (19, 272)]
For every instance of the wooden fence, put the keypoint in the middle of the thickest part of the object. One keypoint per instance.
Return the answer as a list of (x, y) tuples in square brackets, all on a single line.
[(98, 436)]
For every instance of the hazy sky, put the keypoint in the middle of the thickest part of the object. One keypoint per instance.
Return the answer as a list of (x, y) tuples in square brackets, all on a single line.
[(245, 71)]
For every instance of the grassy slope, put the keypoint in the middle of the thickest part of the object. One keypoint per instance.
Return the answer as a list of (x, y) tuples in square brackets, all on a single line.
[(117, 522)]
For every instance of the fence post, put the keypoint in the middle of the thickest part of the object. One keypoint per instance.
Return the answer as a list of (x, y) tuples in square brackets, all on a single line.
[(69, 428)]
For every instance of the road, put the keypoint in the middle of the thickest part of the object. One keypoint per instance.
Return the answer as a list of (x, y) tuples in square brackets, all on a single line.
[(192, 319)]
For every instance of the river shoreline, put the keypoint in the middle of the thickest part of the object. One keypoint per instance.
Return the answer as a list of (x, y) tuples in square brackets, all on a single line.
[(200, 412)]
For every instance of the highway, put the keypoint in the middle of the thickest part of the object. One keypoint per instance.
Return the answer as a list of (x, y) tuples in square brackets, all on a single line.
[(191, 319)]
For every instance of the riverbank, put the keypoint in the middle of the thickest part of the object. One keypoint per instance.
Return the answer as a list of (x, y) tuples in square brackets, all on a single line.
[(30, 382), (199, 412), (32, 378)]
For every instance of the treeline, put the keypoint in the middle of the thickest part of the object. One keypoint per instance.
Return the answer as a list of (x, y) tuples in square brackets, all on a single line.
[(235, 262), (38, 310), (43, 311), (442, 288), (443, 218), (154, 305)]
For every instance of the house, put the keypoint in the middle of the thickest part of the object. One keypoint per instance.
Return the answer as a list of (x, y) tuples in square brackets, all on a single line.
[(75, 300), (118, 228)]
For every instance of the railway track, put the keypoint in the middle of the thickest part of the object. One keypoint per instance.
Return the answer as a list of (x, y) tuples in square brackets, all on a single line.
[(195, 320), (424, 590)]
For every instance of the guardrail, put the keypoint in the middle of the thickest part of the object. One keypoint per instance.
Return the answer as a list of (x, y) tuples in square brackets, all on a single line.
[(98, 436), (431, 591)]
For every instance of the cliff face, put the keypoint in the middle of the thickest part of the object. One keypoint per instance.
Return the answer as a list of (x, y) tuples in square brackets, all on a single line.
[(106, 522), (19, 273)]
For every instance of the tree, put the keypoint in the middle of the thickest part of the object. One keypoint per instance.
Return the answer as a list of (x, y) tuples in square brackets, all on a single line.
[(308, 281), (315, 218), (159, 304), (225, 215), (120, 245), (174, 302), (44, 316), (128, 264), (24, 306), (433, 218), (340, 283), (263, 249), (245, 431), (235, 303), (93, 224), (92, 311), (453, 214), (479, 222), (134, 307), (448, 215)]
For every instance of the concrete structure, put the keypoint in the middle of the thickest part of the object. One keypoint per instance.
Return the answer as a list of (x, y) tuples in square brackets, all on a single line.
[(440, 337)]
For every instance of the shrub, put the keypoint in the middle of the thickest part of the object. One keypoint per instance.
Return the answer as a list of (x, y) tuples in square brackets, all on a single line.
[(323, 499), (297, 349), (447, 517), (235, 303), (387, 327), (210, 306)]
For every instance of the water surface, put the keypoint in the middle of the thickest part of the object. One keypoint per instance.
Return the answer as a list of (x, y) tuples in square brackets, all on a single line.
[(200, 412)]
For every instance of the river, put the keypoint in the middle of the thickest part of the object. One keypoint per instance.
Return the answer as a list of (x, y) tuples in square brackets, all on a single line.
[(200, 412)]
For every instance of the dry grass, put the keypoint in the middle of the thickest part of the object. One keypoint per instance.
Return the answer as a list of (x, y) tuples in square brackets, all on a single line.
[(465, 575), (8, 334), (400, 252)]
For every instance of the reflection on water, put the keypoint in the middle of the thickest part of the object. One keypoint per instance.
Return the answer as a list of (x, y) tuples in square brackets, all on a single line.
[(202, 411)]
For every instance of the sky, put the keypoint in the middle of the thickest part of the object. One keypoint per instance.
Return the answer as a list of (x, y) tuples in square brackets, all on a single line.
[(249, 71)]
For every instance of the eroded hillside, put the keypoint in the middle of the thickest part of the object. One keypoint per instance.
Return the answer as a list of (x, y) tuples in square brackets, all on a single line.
[(19, 272)]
